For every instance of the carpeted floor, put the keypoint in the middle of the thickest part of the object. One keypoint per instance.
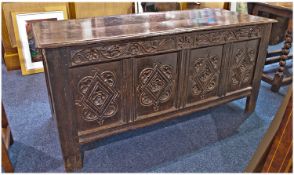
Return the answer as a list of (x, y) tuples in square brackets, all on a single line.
[(220, 139)]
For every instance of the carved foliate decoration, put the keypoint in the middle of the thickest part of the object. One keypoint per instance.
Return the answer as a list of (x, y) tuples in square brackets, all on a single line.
[(248, 32), (242, 67), (220, 37), (185, 41), (170, 43), (155, 85), (121, 50), (98, 96), (205, 74), (209, 38)]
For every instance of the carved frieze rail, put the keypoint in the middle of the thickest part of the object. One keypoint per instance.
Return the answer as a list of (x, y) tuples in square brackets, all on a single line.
[(121, 50), (164, 44)]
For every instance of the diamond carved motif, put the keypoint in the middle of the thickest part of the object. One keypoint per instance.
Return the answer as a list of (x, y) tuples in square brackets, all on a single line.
[(242, 68), (98, 96), (156, 85), (205, 73)]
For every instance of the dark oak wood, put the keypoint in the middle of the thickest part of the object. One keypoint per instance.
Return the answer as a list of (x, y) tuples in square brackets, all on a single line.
[(282, 31), (107, 75)]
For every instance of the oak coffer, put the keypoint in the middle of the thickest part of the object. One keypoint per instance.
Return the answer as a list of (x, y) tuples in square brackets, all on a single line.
[(106, 75)]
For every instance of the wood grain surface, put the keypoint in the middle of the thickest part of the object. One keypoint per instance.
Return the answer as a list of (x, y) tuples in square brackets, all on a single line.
[(92, 30)]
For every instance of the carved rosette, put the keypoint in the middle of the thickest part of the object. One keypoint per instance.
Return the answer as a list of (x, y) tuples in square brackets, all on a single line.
[(205, 75), (98, 96), (155, 85), (243, 66)]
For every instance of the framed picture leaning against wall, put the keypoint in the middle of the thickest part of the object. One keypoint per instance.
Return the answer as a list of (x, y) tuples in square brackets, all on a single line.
[(29, 56)]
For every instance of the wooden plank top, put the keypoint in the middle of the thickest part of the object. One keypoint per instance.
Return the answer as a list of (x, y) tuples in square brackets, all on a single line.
[(50, 34)]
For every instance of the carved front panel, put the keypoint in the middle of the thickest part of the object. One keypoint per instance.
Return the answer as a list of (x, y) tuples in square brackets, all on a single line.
[(155, 82), (97, 95), (242, 64), (204, 73)]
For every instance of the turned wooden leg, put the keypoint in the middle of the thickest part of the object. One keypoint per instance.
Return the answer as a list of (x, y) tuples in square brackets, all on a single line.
[(250, 104), (279, 75)]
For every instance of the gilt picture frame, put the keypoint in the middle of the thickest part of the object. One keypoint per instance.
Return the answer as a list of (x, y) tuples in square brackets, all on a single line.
[(27, 51)]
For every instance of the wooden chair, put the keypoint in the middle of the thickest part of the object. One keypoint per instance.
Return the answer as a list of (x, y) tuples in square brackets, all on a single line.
[(7, 140), (281, 31)]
